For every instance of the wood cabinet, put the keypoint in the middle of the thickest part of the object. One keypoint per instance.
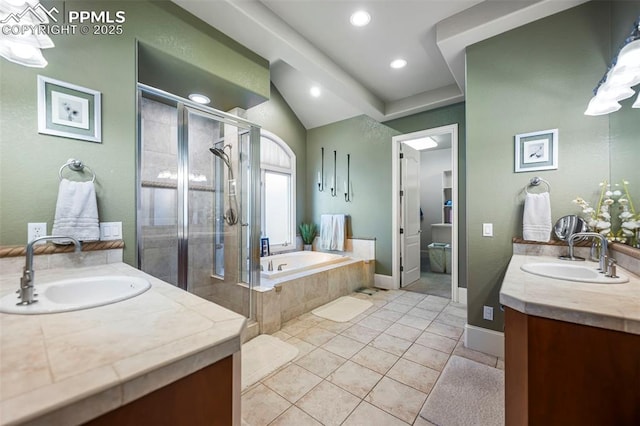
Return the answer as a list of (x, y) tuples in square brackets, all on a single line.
[(561, 373), (205, 397)]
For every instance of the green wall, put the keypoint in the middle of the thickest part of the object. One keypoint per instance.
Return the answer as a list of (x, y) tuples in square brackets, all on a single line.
[(536, 77), (369, 144), (29, 162), (441, 117), (277, 117)]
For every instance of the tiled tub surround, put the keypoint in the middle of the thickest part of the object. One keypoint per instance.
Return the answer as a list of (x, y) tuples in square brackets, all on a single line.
[(282, 299), (286, 297), (608, 306), (71, 367)]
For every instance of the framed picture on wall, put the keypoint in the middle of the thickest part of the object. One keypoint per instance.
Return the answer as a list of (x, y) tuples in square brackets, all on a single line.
[(68, 110), (536, 151)]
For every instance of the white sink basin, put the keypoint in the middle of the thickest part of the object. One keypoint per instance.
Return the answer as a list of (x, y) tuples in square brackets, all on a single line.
[(571, 272), (76, 294)]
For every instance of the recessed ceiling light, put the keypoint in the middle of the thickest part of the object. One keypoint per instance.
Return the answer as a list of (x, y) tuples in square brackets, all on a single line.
[(360, 18), (201, 99), (315, 92), (398, 63), (421, 143)]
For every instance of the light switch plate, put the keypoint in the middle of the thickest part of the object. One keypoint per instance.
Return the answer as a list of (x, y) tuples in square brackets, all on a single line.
[(487, 229), (110, 231), (487, 313)]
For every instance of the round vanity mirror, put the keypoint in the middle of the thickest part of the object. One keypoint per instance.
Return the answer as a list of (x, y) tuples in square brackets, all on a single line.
[(570, 224)]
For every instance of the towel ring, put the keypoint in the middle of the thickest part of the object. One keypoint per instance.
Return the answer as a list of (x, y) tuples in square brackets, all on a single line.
[(76, 166), (535, 182)]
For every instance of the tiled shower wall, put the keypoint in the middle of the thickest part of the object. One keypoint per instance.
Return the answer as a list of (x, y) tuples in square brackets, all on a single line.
[(159, 127)]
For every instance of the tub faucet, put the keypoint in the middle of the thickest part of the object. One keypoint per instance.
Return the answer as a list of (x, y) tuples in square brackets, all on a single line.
[(281, 265), (270, 266), (602, 260), (27, 280)]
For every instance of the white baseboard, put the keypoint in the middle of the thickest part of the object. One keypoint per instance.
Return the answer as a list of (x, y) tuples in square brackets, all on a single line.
[(383, 281), (462, 295), (484, 340)]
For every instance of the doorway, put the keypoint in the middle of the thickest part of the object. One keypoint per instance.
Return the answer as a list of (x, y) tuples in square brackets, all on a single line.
[(442, 212)]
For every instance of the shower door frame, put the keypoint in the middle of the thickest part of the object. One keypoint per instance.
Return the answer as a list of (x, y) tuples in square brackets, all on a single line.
[(183, 107)]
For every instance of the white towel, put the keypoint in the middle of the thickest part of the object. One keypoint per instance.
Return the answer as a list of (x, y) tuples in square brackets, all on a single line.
[(326, 229), (77, 211), (338, 232), (332, 231), (536, 220)]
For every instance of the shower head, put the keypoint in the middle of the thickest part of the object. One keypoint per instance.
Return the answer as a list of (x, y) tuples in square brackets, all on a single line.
[(220, 154), (224, 157)]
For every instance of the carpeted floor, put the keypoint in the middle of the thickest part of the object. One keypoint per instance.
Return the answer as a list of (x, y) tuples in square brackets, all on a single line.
[(467, 393)]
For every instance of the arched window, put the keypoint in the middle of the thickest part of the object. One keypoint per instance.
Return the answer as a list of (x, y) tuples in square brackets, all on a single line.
[(278, 182)]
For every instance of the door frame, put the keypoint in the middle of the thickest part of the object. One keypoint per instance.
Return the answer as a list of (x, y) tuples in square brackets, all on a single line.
[(452, 129)]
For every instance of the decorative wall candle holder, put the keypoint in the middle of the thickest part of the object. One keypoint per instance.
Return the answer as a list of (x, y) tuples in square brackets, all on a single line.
[(334, 191), (321, 172), (347, 184)]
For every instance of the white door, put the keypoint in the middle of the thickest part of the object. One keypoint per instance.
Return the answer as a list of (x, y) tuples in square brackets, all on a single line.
[(410, 213)]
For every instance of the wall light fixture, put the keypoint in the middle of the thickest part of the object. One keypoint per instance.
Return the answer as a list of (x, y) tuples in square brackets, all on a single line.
[(624, 73)]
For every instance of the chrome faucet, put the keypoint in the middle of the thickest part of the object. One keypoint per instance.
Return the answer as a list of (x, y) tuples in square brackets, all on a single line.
[(281, 265), (27, 280), (602, 260), (270, 266)]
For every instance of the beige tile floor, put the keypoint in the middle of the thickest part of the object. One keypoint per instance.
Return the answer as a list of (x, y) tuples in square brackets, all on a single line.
[(377, 369)]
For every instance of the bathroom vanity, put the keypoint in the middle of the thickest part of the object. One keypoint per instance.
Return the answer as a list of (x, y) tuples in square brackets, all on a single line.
[(572, 349), (162, 357)]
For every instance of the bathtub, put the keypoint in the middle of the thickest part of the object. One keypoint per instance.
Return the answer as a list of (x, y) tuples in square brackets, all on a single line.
[(308, 279), (296, 262)]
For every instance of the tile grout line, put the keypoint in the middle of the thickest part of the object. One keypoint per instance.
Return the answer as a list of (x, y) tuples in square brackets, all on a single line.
[(305, 325)]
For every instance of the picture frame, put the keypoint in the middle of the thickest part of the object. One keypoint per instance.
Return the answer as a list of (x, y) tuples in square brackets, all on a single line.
[(69, 110), (536, 151)]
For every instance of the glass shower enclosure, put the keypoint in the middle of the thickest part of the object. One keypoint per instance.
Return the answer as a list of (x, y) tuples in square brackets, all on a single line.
[(197, 199)]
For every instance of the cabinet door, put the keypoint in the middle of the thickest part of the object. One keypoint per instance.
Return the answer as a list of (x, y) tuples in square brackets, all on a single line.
[(561, 373)]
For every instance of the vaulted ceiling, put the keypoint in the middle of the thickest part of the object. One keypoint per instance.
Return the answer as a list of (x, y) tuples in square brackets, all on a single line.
[(312, 43)]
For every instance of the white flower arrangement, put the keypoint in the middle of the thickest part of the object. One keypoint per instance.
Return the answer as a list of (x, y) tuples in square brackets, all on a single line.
[(599, 219)]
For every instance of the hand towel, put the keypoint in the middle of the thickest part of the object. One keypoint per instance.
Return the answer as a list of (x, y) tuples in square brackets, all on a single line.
[(326, 229), (77, 211), (536, 220), (338, 232)]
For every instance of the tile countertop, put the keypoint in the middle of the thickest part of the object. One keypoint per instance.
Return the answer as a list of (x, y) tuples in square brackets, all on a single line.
[(610, 306), (68, 368)]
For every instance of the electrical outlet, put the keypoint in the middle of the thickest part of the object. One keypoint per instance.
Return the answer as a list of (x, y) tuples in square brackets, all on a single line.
[(487, 313), (36, 230)]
